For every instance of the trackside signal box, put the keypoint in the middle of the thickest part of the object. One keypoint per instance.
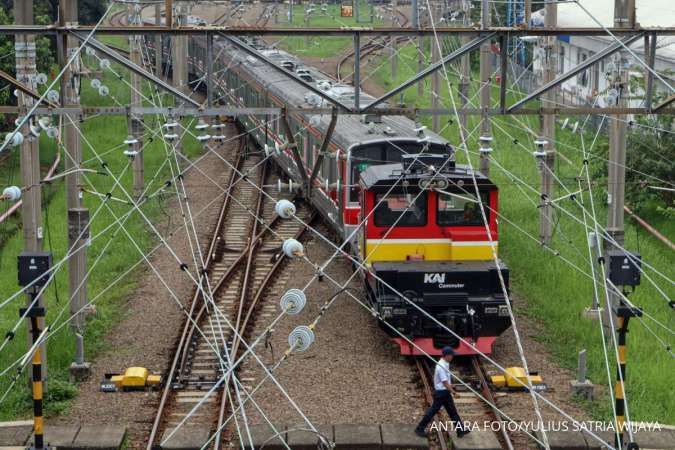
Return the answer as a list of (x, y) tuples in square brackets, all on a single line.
[(34, 266), (624, 267)]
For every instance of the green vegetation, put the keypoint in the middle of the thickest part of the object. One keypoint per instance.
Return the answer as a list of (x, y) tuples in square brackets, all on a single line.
[(322, 47), (552, 293), (105, 134)]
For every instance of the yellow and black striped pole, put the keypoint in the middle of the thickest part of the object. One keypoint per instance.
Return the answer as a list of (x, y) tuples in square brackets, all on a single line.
[(34, 313), (624, 313), (620, 404), (38, 427)]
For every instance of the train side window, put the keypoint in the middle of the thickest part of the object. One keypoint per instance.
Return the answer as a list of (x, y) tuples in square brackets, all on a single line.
[(461, 209), (401, 210)]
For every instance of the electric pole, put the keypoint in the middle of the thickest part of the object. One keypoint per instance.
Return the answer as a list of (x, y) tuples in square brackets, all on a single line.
[(78, 216), (547, 138), (136, 120), (415, 15), (31, 210), (485, 69), (179, 63), (159, 49), (435, 85), (624, 17), (465, 70), (394, 52)]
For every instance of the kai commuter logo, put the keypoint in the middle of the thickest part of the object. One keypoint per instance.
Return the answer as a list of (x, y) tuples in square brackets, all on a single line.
[(434, 278)]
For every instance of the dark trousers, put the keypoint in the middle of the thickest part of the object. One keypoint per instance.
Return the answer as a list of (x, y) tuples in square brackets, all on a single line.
[(441, 399)]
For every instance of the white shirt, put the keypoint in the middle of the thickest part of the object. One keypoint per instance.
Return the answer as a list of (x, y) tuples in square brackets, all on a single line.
[(441, 374)]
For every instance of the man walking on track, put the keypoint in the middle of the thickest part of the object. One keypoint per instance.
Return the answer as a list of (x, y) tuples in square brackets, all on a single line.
[(442, 396)]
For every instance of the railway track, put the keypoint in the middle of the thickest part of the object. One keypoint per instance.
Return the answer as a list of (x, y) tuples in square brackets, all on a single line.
[(471, 408), (244, 268), (371, 46)]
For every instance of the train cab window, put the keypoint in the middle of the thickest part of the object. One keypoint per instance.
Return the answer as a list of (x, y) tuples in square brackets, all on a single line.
[(401, 210), (461, 209)]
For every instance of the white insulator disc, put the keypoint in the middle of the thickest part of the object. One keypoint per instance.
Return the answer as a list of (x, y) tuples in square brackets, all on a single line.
[(104, 64), (90, 51), (292, 248), (53, 96), (301, 338), (14, 139), (52, 132), (41, 78), (17, 92), (103, 91), (293, 301), (12, 193), (203, 137), (268, 150), (35, 130), (95, 83), (44, 122), (284, 209)]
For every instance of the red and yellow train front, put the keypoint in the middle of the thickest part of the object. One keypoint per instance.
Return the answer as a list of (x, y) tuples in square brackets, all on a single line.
[(432, 264)]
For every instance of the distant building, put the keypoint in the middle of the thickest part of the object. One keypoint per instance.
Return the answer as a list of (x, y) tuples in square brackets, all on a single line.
[(591, 86)]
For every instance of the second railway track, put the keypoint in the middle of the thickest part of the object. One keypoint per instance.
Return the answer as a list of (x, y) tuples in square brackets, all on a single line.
[(244, 261)]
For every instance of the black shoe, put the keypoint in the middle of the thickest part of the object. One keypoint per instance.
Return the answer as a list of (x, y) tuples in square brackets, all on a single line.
[(420, 433), (462, 433)]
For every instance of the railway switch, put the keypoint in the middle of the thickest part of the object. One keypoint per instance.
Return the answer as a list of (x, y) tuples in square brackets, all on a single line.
[(134, 378), (515, 378)]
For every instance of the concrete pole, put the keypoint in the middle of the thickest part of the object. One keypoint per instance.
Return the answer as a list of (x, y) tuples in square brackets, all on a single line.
[(624, 17), (548, 128), (485, 71), (356, 79), (158, 43), (394, 51), (179, 63), (168, 13), (31, 210), (136, 120), (78, 217), (415, 16), (435, 86), (465, 70)]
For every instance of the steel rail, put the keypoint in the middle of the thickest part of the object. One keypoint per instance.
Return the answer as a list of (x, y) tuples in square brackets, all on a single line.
[(251, 308), (487, 394), (425, 375), (182, 343)]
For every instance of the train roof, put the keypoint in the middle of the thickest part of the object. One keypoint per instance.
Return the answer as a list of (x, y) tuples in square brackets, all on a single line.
[(352, 130), (383, 176)]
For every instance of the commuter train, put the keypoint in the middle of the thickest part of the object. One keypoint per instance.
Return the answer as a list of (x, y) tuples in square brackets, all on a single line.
[(421, 233)]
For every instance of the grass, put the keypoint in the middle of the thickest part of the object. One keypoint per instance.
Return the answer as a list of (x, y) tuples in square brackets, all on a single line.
[(554, 294), (318, 47), (104, 133)]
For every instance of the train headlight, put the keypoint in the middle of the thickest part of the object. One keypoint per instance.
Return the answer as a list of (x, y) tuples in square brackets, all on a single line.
[(387, 312), (503, 311)]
